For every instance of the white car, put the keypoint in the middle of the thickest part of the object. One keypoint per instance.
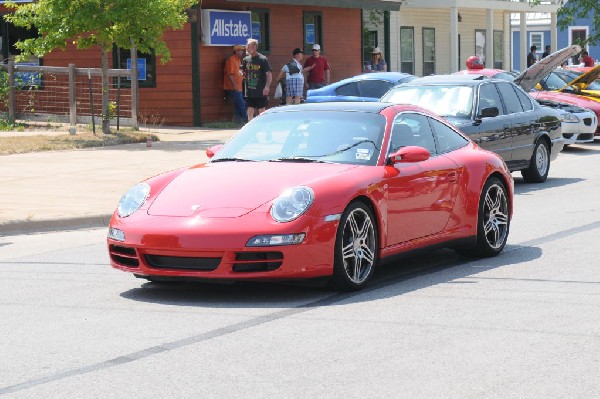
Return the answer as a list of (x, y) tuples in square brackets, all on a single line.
[(578, 124)]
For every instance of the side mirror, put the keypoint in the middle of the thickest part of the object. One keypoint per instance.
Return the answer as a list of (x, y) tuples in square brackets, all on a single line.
[(410, 154), (210, 152), (490, 112)]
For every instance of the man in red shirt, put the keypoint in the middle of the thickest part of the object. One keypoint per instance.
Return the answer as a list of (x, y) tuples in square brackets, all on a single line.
[(586, 59), (319, 72)]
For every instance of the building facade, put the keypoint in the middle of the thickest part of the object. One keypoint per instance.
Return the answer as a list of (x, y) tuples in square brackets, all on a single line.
[(188, 90)]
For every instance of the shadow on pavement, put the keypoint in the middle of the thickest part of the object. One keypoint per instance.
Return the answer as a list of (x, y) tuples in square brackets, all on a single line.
[(405, 275)]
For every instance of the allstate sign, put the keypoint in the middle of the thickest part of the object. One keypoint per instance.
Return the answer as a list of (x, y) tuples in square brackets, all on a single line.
[(225, 28)]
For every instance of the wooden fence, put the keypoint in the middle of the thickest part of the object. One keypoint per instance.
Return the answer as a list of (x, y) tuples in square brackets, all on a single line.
[(69, 94)]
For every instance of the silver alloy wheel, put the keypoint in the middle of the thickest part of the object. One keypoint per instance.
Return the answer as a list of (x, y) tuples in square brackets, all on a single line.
[(495, 216), (541, 159), (358, 246)]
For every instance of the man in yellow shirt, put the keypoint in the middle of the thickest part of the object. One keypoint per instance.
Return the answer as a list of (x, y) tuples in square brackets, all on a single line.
[(232, 82)]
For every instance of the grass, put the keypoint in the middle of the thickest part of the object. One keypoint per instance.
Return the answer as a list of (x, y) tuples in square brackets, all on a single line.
[(25, 137)]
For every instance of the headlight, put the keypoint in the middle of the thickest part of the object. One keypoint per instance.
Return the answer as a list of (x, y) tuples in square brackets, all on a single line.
[(569, 118), (292, 203), (133, 199)]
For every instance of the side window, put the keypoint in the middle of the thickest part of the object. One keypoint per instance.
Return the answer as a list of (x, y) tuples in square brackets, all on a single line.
[(350, 89), (261, 29), (489, 97), (513, 105), (146, 66), (374, 88), (313, 30), (411, 129), (524, 98), (448, 139)]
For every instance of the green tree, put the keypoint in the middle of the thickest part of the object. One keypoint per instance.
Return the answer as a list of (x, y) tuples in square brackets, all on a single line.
[(86, 23), (573, 9)]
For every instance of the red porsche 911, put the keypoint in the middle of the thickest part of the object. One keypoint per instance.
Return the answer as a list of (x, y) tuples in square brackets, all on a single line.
[(314, 190)]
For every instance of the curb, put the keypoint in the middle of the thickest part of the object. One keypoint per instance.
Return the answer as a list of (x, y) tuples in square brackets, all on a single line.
[(22, 227)]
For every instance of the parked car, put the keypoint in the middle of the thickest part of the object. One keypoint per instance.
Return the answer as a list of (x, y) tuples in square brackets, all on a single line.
[(582, 91), (489, 72), (365, 87), (496, 114), (314, 190), (578, 124)]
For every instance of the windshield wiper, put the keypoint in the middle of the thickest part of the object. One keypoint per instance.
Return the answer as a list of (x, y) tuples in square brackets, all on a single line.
[(297, 159), (232, 160)]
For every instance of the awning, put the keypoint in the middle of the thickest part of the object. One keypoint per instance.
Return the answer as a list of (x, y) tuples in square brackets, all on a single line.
[(386, 5)]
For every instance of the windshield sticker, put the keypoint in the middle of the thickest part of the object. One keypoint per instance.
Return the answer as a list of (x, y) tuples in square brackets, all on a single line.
[(363, 154)]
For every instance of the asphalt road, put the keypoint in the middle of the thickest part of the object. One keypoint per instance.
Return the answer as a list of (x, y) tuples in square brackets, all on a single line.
[(525, 324)]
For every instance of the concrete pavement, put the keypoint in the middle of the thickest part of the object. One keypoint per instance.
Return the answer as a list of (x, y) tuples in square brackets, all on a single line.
[(46, 191)]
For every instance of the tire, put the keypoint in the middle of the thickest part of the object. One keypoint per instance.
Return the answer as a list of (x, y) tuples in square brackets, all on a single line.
[(356, 248), (493, 220), (539, 165)]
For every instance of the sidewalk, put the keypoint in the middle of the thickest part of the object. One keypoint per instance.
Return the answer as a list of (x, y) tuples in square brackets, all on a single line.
[(47, 191)]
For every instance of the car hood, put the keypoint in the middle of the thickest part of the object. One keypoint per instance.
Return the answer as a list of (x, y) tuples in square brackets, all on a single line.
[(538, 71), (584, 80), (233, 189)]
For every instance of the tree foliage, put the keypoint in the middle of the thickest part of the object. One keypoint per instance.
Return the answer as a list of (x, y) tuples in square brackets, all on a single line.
[(88, 23), (85, 23), (571, 10)]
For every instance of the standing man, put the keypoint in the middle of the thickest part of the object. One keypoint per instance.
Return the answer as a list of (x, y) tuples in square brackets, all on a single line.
[(531, 56), (257, 72), (546, 53), (232, 82), (319, 73)]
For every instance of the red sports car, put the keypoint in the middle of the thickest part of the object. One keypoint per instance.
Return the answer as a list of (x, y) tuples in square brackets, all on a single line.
[(312, 190)]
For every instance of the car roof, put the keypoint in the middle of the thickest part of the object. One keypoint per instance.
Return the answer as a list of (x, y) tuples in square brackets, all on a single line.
[(483, 71), (390, 76), (372, 107), (467, 80)]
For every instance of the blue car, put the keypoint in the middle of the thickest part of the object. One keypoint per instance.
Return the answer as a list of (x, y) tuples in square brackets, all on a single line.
[(365, 87)]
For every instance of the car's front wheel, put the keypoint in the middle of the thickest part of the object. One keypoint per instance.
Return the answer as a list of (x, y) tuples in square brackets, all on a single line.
[(356, 248), (539, 165), (493, 221)]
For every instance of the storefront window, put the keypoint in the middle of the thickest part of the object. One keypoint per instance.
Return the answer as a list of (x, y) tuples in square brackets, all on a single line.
[(313, 30), (261, 29), (146, 67)]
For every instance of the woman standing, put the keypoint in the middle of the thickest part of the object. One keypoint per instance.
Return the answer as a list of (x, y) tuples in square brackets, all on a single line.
[(377, 63)]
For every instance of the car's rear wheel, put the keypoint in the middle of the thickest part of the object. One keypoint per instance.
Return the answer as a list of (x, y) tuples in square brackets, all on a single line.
[(539, 165), (356, 248)]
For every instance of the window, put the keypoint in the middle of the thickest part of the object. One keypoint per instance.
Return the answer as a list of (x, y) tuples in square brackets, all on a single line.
[(407, 50), (511, 101), (350, 89), (524, 98), (313, 30), (489, 97), (261, 28), (428, 51), (537, 39), (370, 41), (12, 34), (577, 35), (480, 47), (447, 138), (498, 49), (146, 67), (411, 129), (374, 88)]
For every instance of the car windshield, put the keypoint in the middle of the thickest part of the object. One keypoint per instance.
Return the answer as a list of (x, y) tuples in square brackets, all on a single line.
[(572, 75), (444, 100), (308, 136)]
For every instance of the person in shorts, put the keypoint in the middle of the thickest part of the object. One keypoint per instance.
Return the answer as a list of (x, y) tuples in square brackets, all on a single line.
[(294, 77), (257, 73)]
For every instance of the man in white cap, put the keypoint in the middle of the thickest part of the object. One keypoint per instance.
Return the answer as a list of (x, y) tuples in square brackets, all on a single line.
[(319, 73)]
